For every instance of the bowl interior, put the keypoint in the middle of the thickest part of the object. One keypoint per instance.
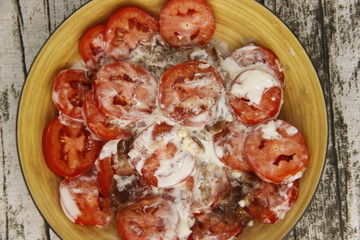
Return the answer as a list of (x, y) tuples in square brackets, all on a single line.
[(238, 22)]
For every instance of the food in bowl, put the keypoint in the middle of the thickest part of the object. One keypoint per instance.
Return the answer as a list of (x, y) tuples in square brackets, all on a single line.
[(173, 140)]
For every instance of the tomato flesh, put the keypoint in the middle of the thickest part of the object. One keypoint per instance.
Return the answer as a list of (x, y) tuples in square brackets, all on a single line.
[(82, 203), (188, 92), (187, 23), (125, 91), (70, 87), (229, 145), (103, 127), (69, 150), (126, 29), (276, 151), (91, 46), (271, 201), (148, 218)]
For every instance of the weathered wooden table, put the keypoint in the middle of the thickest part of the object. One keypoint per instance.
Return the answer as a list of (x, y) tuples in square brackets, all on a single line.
[(329, 31)]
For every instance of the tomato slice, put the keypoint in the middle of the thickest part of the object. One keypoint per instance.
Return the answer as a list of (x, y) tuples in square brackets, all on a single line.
[(70, 87), (158, 156), (69, 150), (148, 218), (82, 203), (188, 92), (255, 96), (271, 202), (126, 29), (276, 151), (187, 23), (210, 185), (112, 160), (124, 90), (253, 54), (215, 226), (103, 127), (91, 46), (229, 145)]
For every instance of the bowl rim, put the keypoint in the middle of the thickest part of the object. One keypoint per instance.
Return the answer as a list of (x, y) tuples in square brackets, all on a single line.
[(255, 2)]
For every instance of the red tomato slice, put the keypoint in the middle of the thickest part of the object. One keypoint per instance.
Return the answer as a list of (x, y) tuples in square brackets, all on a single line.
[(276, 151), (187, 23), (103, 127), (70, 87), (124, 90), (271, 202), (255, 96), (253, 54), (69, 150), (229, 145), (112, 160), (189, 91), (210, 185), (91, 46), (215, 226), (82, 203), (148, 218), (126, 29), (157, 155)]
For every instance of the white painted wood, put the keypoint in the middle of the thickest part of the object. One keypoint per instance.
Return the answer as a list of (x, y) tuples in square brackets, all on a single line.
[(330, 33)]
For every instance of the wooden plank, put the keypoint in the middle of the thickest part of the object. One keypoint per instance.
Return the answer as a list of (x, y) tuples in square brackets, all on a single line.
[(21, 219), (342, 32)]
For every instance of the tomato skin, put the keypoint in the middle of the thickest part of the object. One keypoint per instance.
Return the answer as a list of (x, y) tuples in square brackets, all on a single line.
[(252, 54), (229, 145), (69, 150), (148, 218), (70, 87), (82, 203), (126, 29), (188, 91), (91, 46), (271, 202), (187, 23), (276, 151), (103, 127), (125, 91)]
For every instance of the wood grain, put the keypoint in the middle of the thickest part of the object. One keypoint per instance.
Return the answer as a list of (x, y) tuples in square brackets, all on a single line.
[(328, 30)]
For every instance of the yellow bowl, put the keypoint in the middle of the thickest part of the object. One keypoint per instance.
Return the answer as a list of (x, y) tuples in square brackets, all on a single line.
[(238, 22)]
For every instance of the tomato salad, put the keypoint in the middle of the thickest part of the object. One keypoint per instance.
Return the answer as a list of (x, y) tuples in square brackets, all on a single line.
[(169, 135)]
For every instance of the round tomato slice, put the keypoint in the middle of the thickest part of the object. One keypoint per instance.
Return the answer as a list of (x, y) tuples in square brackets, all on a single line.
[(271, 202), (255, 96), (82, 203), (189, 91), (254, 54), (187, 23), (276, 151), (70, 87), (210, 183), (126, 29), (103, 127), (124, 90), (148, 218), (229, 145), (158, 156), (215, 226), (91, 46), (112, 160), (69, 150)]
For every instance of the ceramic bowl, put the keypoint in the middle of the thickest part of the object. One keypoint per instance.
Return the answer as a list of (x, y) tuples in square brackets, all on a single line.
[(238, 22)]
